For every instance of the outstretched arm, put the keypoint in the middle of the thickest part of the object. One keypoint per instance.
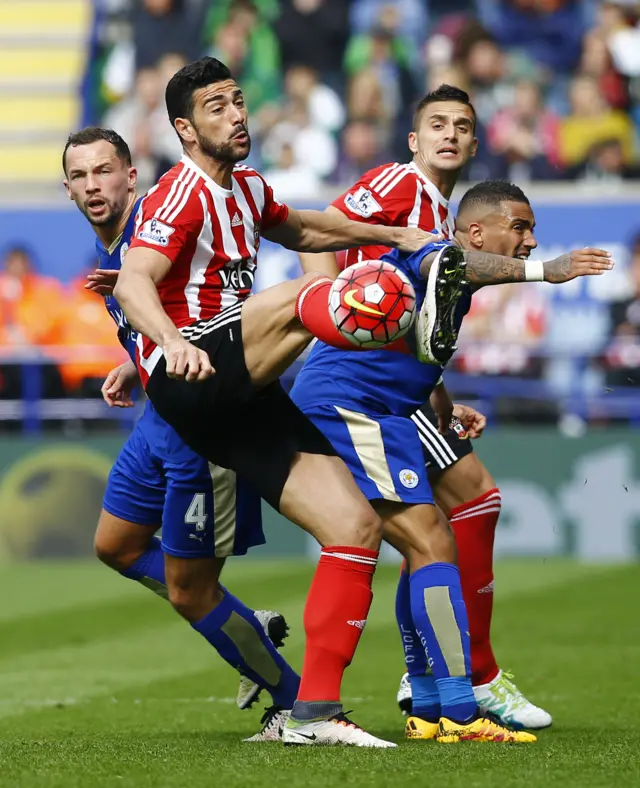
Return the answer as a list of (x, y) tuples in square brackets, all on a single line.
[(331, 231), (484, 268)]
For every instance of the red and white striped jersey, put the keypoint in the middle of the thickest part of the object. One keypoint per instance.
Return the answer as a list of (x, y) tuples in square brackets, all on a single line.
[(211, 235), (398, 195)]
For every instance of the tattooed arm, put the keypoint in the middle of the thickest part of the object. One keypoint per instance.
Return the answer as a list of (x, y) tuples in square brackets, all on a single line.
[(484, 268)]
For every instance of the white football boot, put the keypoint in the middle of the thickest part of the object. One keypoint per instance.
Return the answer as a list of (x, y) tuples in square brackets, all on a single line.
[(277, 630), (273, 721), (504, 700), (404, 695), (336, 730)]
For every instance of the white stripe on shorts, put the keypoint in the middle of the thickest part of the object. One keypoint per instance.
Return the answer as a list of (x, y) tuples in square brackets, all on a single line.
[(442, 453)]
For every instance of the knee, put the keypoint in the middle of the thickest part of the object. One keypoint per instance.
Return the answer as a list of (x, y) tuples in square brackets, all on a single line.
[(363, 529), (192, 601), (115, 554)]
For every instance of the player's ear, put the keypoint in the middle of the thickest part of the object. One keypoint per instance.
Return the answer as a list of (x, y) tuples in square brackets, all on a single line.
[(474, 146), (65, 183), (413, 142), (133, 178), (475, 235), (185, 130)]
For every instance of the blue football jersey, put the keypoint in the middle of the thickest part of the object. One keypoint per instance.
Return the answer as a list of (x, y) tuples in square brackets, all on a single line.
[(390, 380), (112, 259)]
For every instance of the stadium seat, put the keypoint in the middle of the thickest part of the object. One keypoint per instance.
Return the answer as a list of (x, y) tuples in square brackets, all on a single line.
[(42, 58)]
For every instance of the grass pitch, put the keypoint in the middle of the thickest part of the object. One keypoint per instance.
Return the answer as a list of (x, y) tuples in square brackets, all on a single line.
[(102, 685)]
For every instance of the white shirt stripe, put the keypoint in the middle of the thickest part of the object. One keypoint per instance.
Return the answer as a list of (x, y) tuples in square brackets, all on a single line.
[(383, 176), (392, 184), (414, 216), (199, 263), (177, 188)]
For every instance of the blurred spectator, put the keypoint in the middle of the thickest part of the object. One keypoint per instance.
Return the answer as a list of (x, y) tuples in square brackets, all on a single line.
[(386, 56), (548, 31), (142, 121), (504, 331), (87, 347), (623, 354), (314, 32), (313, 147), (246, 43), (161, 26), (526, 135), (30, 304), (605, 164), (361, 150), (592, 121), (292, 179), (487, 72), (596, 62), (407, 18), (323, 105)]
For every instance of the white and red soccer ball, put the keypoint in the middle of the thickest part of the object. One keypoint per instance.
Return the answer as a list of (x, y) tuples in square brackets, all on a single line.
[(372, 303)]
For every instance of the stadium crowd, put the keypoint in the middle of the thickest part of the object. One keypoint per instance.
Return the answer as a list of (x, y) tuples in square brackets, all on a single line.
[(331, 86)]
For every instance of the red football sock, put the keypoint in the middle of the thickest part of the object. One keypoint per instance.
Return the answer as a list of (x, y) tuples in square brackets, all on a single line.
[(334, 617), (312, 310), (474, 525)]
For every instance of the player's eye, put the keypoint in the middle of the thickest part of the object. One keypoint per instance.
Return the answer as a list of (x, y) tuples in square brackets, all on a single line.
[(239, 101)]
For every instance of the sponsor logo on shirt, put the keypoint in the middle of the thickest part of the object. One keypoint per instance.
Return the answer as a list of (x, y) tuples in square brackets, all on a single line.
[(237, 275), (362, 202), (155, 232)]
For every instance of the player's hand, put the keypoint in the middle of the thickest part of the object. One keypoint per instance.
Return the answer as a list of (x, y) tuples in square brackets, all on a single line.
[(118, 385), (412, 239), (580, 262), (472, 420), (102, 281), (187, 361)]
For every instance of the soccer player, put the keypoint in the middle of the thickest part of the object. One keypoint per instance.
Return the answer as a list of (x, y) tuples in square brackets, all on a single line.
[(210, 357), (364, 403), (417, 195), (206, 513)]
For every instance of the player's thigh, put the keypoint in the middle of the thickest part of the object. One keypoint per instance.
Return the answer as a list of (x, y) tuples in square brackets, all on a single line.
[(119, 543), (272, 335), (321, 496), (382, 452), (419, 532), (461, 482)]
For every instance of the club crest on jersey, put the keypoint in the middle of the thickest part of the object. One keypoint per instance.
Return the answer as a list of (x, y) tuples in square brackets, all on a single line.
[(408, 478), (362, 202), (458, 427), (155, 232), (123, 250)]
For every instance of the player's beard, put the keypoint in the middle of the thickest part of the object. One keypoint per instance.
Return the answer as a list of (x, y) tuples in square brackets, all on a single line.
[(109, 219), (223, 151)]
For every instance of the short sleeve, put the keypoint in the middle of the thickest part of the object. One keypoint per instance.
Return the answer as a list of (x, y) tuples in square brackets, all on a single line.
[(166, 225), (382, 196), (274, 213)]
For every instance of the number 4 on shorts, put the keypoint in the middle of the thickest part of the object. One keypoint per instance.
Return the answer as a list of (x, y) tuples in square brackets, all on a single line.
[(196, 514)]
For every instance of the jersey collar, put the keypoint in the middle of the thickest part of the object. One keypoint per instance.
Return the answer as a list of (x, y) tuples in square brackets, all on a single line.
[(431, 188)]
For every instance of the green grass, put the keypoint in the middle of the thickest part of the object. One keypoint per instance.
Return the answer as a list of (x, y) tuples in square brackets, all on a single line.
[(102, 685)]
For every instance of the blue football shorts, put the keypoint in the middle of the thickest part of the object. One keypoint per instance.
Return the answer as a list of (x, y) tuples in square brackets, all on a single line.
[(204, 510), (383, 452)]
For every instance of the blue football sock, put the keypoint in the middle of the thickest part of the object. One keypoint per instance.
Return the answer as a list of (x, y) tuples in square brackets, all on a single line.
[(440, 618), (425, 699), (236, 634), (149, 569)]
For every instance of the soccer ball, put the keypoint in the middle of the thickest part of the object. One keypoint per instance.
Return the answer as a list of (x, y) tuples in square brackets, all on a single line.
[(372, 303)]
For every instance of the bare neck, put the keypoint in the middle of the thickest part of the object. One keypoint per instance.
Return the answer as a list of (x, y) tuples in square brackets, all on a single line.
[(109, 233), (443, 181), (218, 171)]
